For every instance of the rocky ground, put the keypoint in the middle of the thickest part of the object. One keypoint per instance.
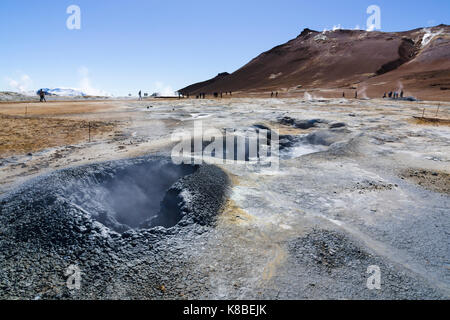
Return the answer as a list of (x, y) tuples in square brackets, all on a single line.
[(358, 184)]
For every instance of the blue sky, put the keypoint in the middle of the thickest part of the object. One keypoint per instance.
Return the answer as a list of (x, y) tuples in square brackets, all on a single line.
[(159, 45)]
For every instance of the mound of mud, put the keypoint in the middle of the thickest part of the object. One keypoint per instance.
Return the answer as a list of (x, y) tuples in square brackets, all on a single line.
[(123, 195), (75, 217), (327, 264), (327, 250), (128, 196), (334, 142), (300, 123), (328, 137)]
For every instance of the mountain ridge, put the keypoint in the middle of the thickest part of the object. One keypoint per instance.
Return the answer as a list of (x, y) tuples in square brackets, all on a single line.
[(345, 60)]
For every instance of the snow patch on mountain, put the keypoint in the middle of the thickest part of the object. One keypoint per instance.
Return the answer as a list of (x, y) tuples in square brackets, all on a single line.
[(69, 92)]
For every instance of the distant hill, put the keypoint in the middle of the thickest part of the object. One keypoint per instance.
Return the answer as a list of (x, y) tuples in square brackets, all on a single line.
[(62, 92), (51, 94), (15, 96), (372, 62)]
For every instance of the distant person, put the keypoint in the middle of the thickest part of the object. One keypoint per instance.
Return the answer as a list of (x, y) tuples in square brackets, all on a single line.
[(401, 94), (390, 94), (140, 95), (356, 94), (42, 96), (384, 95), (343, 94), (276, 94), (271, 95), (231, 93)]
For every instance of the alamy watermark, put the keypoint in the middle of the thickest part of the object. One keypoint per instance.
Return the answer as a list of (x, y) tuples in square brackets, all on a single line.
[(374, 20), (374, 280), (73, 273), (73, 22)]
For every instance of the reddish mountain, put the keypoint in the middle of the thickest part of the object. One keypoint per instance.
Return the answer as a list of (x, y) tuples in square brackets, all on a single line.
[(334, 61), (197, 87)]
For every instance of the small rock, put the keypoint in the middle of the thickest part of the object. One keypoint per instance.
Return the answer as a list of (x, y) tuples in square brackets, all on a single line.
[(337, 125)]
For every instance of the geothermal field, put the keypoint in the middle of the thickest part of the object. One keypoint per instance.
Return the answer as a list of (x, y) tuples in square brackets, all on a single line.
[(360, 185)]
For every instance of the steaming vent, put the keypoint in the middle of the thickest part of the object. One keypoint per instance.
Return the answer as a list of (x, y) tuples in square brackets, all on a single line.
[(136, 196)]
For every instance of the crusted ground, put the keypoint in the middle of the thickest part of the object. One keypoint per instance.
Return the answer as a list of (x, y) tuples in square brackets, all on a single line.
[(356, 188)]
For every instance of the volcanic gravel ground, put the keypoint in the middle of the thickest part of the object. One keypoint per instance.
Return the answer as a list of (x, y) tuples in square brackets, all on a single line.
[(43, 233), (356, 186)]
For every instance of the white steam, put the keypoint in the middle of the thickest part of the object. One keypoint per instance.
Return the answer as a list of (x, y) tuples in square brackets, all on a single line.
[(85, 84), (429, 35), (311, 97), (337, 27), (22, 84), (362, 93), (164, 90)]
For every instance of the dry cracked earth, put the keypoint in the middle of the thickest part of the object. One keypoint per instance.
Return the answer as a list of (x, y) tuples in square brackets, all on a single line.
[(360, 183)]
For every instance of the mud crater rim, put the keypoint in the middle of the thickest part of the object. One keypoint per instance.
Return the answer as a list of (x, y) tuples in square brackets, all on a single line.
[(132, 196)]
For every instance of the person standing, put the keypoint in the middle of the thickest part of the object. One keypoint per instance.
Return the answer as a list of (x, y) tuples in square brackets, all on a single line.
[(140, 95), (42, 96)]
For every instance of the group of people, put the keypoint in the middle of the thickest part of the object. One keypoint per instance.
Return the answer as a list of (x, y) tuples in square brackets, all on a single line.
[(272, 94), (202, 95), (393, 95)]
